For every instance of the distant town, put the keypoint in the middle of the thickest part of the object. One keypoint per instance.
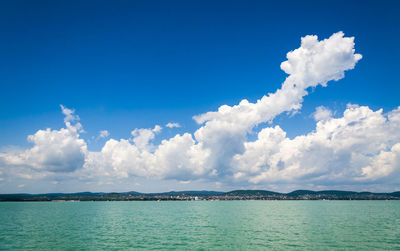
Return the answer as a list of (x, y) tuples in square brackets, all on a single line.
[(203, 195)]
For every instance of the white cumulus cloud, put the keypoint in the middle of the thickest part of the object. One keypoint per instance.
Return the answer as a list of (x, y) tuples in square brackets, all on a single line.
[(104, 134), (362, 146), (53, 150), (173, 125), (322, 113), (224, 132), (142, 137), (315, 62)]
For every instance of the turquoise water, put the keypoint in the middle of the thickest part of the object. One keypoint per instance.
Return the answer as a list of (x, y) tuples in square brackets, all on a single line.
[(218, 225)]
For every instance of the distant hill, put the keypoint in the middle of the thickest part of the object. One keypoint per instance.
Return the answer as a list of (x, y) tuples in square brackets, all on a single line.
[(250, 193), (326, 192), (300, 193), (189, 195)]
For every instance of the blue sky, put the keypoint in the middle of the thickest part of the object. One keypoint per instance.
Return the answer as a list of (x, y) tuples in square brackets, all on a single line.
[(138, 63), (123, 65)]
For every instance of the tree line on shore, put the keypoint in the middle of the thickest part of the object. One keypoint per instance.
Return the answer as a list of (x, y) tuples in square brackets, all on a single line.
[(204, 195)]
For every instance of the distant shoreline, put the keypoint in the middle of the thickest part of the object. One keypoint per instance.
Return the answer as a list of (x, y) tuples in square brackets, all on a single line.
[(202, 195)]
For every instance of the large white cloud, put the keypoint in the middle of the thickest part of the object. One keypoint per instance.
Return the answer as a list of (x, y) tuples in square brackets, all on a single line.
[(315, 62), (53, 150), (361, 146), (224, 132), (177, 158)]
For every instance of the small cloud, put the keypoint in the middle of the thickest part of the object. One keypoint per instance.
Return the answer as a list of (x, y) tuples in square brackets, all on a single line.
[(322, 113), (71, 117), (69, 114), (238, 175), (184, 182), (173, 125), (157, 129), (24, 176), (21, 185), (104, 134)]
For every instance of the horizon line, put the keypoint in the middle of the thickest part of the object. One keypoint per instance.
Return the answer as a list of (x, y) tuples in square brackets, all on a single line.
[(182, 191)]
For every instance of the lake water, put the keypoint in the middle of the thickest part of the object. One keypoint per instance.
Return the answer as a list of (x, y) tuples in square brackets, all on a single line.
[(217, 225)]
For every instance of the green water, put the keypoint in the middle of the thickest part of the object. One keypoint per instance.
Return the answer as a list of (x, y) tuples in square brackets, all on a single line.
[(217, 225)]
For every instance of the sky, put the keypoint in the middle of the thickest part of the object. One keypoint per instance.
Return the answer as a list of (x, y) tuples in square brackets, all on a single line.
[(155, 96)]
